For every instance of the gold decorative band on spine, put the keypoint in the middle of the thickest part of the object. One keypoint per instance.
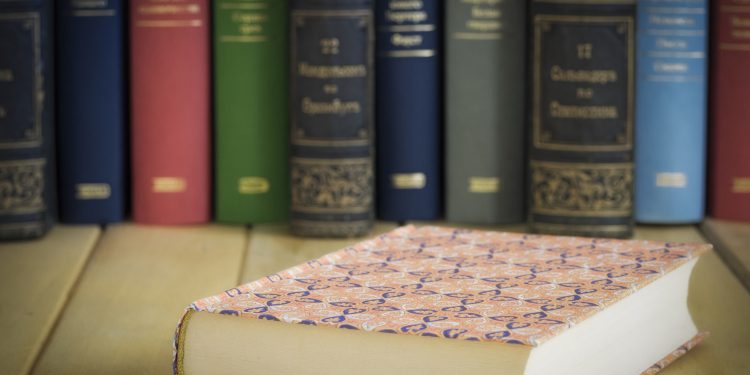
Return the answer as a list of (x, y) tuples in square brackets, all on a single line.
[(408, 180), (477, 36), (253, 185), (741, 185), (169, 185), (409, 53), (572, 228), (671, 180), (407, 28), (243, 38), (243, 6), (93, 191), (169, 23), (94, 13), (484, 185)]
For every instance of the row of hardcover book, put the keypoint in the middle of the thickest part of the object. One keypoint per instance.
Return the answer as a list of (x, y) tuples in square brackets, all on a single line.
[(578, 116)]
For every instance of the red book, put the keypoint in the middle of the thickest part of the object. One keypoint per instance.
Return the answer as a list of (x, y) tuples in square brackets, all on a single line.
[(170, 111), (730, 111)]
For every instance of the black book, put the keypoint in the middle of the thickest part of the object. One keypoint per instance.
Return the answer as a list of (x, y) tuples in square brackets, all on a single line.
[(27, 188), (582, 59)]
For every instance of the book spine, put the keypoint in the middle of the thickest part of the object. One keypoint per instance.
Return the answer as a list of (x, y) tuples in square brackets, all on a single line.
[(730, 128), (90, 111), (170, 111), (409, 132), (581, 100), (671, 111), (484, 101), (27, 165), (251, 110), (332, 118)]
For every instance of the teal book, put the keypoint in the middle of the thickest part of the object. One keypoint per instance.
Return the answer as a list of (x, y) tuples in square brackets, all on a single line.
[(251, 102)]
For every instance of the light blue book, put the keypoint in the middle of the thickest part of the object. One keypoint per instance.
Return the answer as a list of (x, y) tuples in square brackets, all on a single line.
[(670, 149)]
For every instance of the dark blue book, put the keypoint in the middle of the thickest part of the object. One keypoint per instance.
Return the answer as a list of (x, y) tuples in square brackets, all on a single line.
[(90, 112), (408, 106), (331, 93), (670, 126), (27, 196)]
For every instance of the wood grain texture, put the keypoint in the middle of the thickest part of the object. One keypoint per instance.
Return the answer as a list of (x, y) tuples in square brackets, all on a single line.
[(272, 249), (36, 278), (718, 303), (732, 242), (121, 318)]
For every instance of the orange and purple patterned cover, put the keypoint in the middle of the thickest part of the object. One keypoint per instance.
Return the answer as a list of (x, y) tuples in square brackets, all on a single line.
[(458, 284)]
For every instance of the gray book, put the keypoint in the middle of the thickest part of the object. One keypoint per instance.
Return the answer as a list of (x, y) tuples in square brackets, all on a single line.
[(485, 59)]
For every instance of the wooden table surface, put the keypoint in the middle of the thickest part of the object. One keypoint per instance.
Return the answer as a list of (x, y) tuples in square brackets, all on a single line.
[(85, 300)]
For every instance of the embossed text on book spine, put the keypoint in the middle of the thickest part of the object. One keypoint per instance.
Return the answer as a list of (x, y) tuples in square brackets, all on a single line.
[(582, 62), (331, 117), (27, 164)]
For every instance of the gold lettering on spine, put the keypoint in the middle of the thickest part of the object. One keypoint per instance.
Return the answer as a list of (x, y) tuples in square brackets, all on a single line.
[(484, 20), (600, 77), (169, 14), (409, 181), (168, 185), (93, 191), (737, 17), (253, 185), (484, 185), (247, 21), (6, 75), (741, 185)]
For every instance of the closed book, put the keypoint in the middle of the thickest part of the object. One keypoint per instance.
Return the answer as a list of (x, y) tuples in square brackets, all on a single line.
[(251, 105), (582, 86), (484, 107), (730, 113), (28, 202), (91, 111), (170, 119), (332, 97), (671, 103), (445, 301), (409, 108)]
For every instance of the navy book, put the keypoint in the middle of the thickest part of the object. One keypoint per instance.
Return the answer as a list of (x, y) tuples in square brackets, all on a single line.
[(331, 91), (408, 106), (90, 112), (670, 127), (27, 196)]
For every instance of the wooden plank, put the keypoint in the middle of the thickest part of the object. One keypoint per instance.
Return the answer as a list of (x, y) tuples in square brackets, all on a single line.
[(122, 316), (718, 303), (273, 249), (37, 277), (732, 241)]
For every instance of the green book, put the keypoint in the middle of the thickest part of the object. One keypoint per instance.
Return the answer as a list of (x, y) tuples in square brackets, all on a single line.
[(251, 106)]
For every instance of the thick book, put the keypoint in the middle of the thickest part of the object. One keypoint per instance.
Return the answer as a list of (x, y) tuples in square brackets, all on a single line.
[(582, 88), (444, 301), (671, 104), (170, 111), (484, 111), (729, 179), (409, 109), (27, 164), (91, 111), (251, 106), (332, 97)]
